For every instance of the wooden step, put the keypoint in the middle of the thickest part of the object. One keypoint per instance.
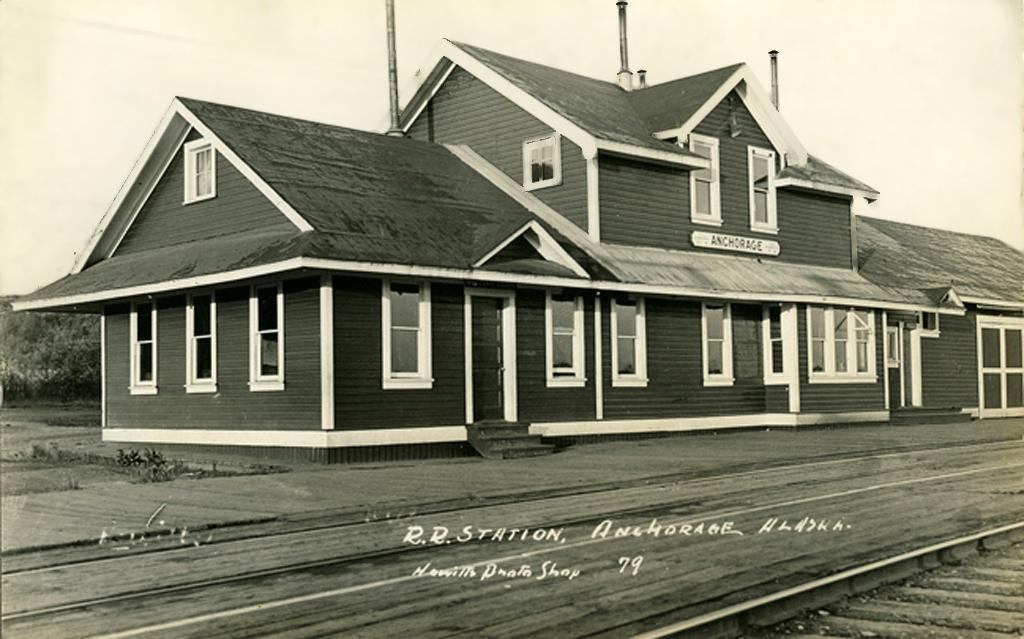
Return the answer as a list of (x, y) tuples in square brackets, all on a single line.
[(506, 440)]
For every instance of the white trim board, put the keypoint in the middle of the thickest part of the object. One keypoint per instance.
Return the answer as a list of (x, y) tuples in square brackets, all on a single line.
[(458, 274), (813, 185), (299, 438), (685, 424)]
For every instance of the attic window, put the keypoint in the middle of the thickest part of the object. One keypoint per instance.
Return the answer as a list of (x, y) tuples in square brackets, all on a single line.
[(761, 172), (200, 171), (705, 199), (542, 162)]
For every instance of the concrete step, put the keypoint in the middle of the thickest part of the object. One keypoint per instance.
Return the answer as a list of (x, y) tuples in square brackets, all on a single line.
[(506, 440), (535, 450)]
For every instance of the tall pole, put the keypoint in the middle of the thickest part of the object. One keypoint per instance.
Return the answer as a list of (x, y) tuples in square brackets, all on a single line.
[(395, 129)]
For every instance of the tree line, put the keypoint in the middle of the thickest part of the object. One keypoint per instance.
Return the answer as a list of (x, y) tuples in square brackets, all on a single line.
[(48, 356)]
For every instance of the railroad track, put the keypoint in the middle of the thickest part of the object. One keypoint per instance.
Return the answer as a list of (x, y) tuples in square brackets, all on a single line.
[(937, 582), (162, 541), (725, 622)]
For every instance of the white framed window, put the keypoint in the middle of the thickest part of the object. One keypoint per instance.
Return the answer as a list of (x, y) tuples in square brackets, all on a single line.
[(142, 349), (928, 323), (629, 343), (405, 328), (774, 359), (892, 346), (200, 171), (705, 192), (761, 181), (840, 345), (563, 321), (716, 336), (542, 162), (266, 338), (201, 344)]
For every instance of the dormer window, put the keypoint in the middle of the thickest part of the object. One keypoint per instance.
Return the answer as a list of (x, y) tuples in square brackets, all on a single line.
[(761, 173), (542, 162), (705, 198), (200, 171)]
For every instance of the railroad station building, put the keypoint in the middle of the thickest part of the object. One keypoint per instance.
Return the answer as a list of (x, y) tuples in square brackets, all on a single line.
[(540, 257)]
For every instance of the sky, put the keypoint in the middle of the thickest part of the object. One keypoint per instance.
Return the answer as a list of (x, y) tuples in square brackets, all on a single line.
[(921, 99)]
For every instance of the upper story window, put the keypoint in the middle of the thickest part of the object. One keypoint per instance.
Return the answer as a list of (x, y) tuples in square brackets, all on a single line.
[(774, 350), (705, 193), (266, 338), (200, 171), (143, 349), (928, 323), (761, 173), (201, 344), (563, 316), (716, 330), (629, 343), (405, 326), (841, 345), (542, 162)]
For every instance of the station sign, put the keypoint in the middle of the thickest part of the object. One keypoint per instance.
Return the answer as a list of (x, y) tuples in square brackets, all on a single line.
[(723, 242)]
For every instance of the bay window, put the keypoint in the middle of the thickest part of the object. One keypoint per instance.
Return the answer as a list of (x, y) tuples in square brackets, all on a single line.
[(266, 338), (563, 315), (143, 348), (841, 345), (405, 328), (629, 343), (201, 344), (716, 332)]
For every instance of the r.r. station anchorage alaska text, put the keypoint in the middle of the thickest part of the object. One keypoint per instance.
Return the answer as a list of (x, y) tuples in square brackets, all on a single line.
[(609, 529)]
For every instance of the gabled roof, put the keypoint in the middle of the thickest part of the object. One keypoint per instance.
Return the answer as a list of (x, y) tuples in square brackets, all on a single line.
[(670, 104), (977, 268)]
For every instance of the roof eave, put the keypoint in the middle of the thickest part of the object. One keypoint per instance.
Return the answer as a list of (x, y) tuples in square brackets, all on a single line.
[(814, 185)]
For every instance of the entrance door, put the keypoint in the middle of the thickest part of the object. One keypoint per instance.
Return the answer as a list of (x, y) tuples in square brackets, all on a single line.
[(1002, 371), (894, 365), (488, 364)]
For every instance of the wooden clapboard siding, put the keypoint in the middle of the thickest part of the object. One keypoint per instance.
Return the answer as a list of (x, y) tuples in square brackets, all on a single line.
[(675, 369), (537, 402), (814, 228), (164, 221), (466, 111), (949, 365), (360, 400), (644, 204), (233, 406), (649, 205), (776, 398), (838, 398)]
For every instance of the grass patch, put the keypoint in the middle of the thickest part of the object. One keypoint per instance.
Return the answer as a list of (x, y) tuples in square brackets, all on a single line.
[(147, 465)]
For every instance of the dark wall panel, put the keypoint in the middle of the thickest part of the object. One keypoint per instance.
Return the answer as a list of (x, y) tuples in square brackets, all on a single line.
[(237, 208), (466, 111), (537, 402), (675, 370), (840, 398), (949, 364), (233, 406), (360, 400)]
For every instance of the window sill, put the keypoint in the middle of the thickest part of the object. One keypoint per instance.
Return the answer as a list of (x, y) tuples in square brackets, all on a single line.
[(201, 388), (541, 185), (706, 221), (719, 381), (892, 364), (198, 199), (263, 386), (399, 383), (566, 382), (629, 382), (838, 379), (769, 230), (776, 381), (142, 390), (924, 333)]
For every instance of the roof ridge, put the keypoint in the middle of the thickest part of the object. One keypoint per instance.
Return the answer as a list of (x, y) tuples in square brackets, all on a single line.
[(732, 67), (464, 46), (936, 229)]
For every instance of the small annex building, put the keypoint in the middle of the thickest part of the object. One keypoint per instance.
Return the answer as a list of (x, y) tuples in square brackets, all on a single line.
[(552, 254)]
